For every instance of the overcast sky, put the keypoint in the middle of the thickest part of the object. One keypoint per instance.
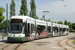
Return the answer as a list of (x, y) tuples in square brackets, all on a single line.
[(61, 9)]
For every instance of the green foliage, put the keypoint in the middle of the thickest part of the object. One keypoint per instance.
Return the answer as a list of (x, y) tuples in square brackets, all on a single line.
[(4, 24), (65, 23), (48, 20), (1, 34), (33, 9), (37, 17), (41, 19), (56, 22), (2, 10), (6, 34), (69, 24), (12, 8), (73, 26), (24, 9), (74, 41), (1, 26), (60, 22)]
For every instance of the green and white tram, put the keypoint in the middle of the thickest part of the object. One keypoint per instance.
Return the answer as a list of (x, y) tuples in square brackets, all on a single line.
[(25, 28), (22, 29)]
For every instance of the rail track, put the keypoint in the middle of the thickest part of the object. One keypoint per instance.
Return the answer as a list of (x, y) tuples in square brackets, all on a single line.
[(61, 45), (71, 45), (64, 44), (3, 46), (10, 46)]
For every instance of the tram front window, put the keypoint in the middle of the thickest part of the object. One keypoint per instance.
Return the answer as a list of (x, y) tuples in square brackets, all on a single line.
[(16, 27)]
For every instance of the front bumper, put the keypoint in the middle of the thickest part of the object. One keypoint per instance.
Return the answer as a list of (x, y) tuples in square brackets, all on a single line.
[(16, 39)]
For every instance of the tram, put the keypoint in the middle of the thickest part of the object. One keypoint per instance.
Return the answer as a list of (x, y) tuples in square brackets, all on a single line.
[(25, 28)]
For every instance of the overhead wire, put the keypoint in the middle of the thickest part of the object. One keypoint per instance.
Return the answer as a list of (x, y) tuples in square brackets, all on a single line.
[(66, 7)]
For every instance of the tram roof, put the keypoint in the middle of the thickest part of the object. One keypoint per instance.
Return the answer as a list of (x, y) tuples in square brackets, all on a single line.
[(60, 25), (67, 26), (64, 26), (24, 18), (40, 22), (55, 25), (49, 23)]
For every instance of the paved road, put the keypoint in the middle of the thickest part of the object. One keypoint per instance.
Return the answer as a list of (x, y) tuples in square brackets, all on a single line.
[(53, 43), (4, 38)]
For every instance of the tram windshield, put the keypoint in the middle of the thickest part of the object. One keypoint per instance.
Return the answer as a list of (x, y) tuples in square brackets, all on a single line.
[(16, 27)]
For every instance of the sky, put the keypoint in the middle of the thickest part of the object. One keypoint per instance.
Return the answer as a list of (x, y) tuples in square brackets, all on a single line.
[(59, 10)]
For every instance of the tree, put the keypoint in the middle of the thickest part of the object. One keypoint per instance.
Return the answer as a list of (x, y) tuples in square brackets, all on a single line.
[(65, 23), (1, 26), (2, 10), (4, 24), (24, 9), (56, 22), (69, 24), (37, 17), (33, 9), (60, 22), (41, 19), (12, 8), (48, 20)]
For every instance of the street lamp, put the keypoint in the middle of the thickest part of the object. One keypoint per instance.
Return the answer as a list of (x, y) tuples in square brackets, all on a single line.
[(45, 14)]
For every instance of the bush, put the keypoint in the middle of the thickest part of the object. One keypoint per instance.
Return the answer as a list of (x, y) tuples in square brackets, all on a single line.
[(73, 41), (6, 34)]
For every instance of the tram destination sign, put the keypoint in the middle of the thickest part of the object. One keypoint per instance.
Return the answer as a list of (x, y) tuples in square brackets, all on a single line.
[(16, 20)]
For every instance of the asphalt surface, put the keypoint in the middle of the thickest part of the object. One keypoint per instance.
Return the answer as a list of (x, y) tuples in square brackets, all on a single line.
[(53, 43)]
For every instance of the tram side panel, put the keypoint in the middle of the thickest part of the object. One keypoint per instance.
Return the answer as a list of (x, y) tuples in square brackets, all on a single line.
[(49, 27), (41, 29)]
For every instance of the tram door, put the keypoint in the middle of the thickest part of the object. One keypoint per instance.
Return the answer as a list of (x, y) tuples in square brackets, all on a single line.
[(60, 32), (32, 32), (64, 30), (27, 31), (49, 31), (56, 31)]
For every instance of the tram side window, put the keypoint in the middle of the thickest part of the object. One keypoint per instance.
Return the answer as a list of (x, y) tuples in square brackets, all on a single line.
[(40, 29), (28, 28), (32, 28), (48, 29), (60, 29), (55, 29), (64, 29), (25, 29)]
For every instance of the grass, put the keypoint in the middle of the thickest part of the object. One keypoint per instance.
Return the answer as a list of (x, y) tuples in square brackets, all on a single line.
[(71, 32), (73, 41), (1, 34), (4, 34)]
